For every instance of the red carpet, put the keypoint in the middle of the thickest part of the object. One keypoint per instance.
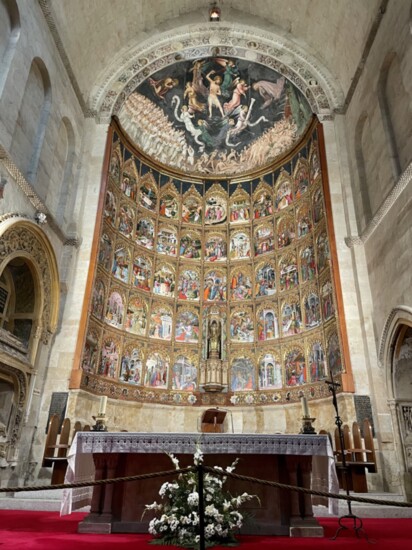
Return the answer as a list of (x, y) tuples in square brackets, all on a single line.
[(22, 530)]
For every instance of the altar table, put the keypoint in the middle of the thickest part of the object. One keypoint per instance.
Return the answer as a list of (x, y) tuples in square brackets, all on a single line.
[(302, 460)]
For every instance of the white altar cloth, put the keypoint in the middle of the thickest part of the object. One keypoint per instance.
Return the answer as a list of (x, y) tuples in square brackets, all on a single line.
[(81, 465)]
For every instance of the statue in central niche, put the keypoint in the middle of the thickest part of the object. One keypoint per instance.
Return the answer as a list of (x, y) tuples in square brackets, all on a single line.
[(214, 340), (213, 368)]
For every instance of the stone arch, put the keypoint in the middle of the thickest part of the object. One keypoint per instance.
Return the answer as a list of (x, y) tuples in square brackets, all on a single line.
[(131, 67), (31, 123), (21, 238), (10, 30), (393, 100), (395, 356)]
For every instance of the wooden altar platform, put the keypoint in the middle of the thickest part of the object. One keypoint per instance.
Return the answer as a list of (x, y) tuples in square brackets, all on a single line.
[(303, 460)]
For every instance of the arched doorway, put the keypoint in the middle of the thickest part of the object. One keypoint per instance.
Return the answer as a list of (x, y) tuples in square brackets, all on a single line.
[(396, 356)]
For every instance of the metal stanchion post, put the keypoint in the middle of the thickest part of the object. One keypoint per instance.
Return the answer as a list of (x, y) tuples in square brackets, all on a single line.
[(356, 521), (201, 507)]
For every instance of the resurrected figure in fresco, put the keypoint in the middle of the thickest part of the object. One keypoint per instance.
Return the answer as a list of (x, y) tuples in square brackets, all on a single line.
[(214, 340)]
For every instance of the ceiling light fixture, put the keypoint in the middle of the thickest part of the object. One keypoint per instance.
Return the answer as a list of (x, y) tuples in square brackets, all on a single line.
[(214, 13)]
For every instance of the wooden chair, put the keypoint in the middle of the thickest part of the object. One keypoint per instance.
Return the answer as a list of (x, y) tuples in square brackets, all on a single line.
[(77, 428), (359, 455), (212, 421), (86, 428), (55, 449)]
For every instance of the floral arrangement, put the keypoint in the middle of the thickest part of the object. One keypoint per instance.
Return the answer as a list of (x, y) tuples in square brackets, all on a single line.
[(177, 520)]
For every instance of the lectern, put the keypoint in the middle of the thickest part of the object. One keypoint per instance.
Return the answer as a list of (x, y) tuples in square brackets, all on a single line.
[(212, 421)]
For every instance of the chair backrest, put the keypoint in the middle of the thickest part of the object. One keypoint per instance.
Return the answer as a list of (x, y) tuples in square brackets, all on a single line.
[(86, 428), (77, 428), (324, 432), (357, 443), (51, 438), (347, 437), (368, 438), (64, 438)]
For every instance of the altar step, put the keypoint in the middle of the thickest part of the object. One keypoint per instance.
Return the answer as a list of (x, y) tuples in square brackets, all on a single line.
[(47, 500)]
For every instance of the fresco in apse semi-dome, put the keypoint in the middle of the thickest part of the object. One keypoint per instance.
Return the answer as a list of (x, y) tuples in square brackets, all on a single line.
[(217, 115)]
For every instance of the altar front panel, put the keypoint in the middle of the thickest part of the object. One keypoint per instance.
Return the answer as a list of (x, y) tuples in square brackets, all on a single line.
[(287, 459)]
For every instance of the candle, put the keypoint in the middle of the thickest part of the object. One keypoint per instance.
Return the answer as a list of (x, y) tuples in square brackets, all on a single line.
[(103, 403), (305, 407)]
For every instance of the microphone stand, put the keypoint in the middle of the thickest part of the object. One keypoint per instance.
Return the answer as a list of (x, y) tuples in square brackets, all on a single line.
[(357, 523)]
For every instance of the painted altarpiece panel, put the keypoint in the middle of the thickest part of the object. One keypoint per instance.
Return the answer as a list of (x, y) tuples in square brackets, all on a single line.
[(157, 370), (188, 284), (243, 376), (126, 220), (215, 206), (318, 205), (109, 358), (164, 280), (115, 162), (288, 273), (333, 353), (327, 301), (285, 229), (241, 283), (304, 219), (270, 371), (192, 207), (104, 258), (291, 317), (267, 322), (145, 232), (184, 371), (161, 322), (215, 286), (311, 309), (169, 202), (167, 240), (114, 315), (265, 279), (239, 207), (314, 163), (307, 261), (215, 247), (322, 251), (239, 245), (147, 196), (142, 273), (190, 246), (98, 299), (301, 177), (121, 262), (283, 191), (316, 360), (187, 325), (295, 367), (129, 181), (262, 201), (241, 325), (131, 365), (136, 316), (91, 350), (110, 208), (263, 240)]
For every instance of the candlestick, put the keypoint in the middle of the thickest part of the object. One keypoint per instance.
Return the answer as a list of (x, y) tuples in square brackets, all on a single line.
[(305, 407), (103, 404)]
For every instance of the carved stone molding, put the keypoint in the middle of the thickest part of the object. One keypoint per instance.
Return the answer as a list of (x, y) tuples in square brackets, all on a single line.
[(20, 239), (394, 318), (21, 393), (384, 209), (34, 199)]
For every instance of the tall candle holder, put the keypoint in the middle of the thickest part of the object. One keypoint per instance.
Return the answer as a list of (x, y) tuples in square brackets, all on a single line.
[(100, 425), (357, 522), (307, 419)]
